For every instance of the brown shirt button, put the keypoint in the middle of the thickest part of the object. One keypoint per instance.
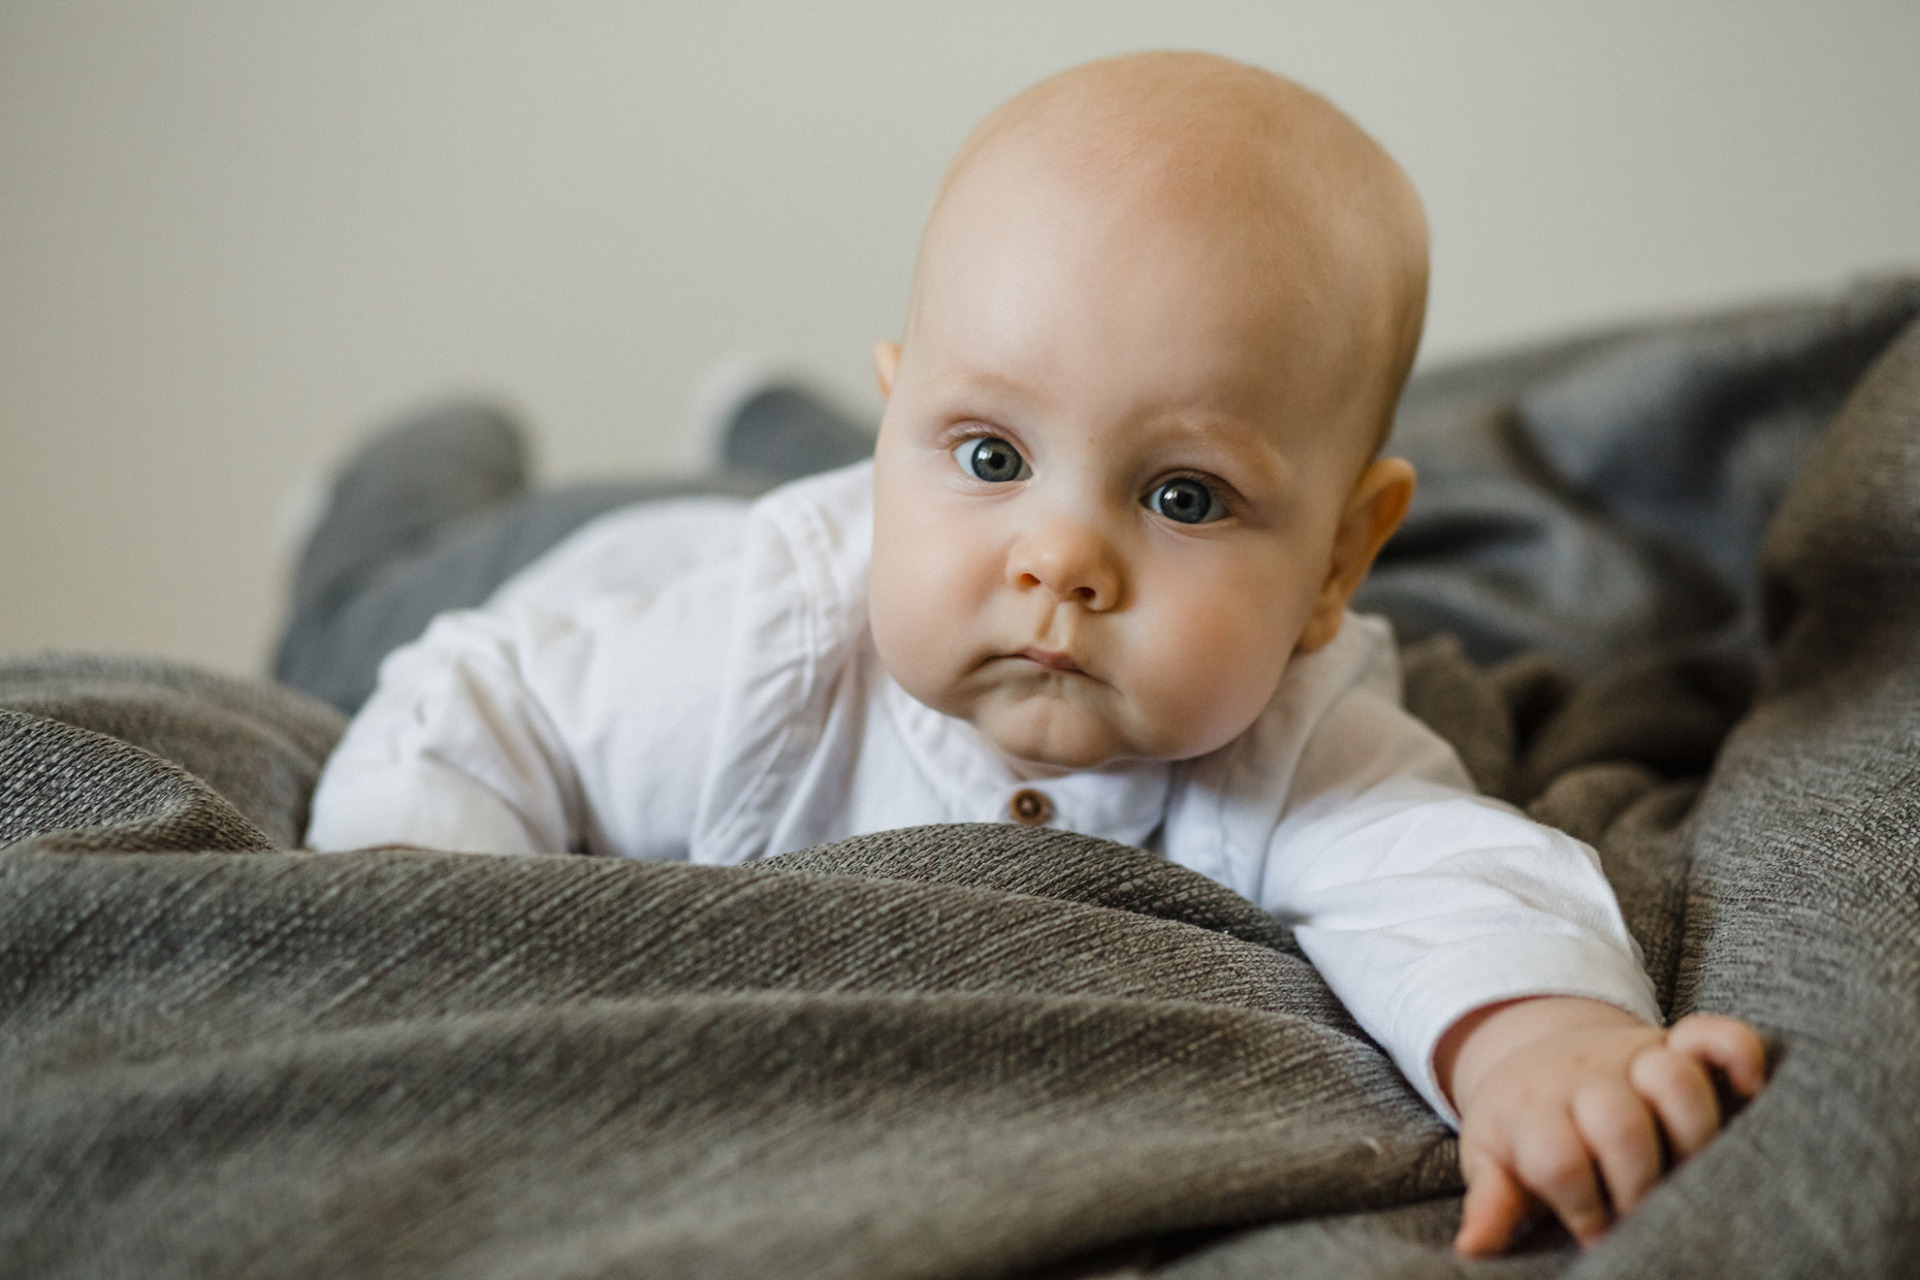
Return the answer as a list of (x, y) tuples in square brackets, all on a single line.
[(1030, 807)]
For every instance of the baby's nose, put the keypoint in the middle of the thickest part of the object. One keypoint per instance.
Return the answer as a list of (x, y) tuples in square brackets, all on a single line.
[(1071, 562)]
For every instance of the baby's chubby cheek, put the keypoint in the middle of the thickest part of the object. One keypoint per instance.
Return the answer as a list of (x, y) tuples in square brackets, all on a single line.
[(1201, 671), (922, 626)]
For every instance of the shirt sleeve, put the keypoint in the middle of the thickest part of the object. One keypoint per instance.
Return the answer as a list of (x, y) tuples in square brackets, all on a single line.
[(518, 731), (1420, 901)]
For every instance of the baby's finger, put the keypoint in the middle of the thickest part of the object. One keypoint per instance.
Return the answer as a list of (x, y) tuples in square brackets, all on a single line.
[(1727, 1043), (1495, 1207), (1618, 1129), (1677, 1088), (1552, 1162)]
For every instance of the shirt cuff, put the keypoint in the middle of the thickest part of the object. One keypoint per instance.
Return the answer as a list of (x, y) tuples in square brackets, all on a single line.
[(360, 806), (1460, 979)]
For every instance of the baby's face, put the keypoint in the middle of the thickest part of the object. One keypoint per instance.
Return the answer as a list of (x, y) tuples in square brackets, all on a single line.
[(1115, 486)]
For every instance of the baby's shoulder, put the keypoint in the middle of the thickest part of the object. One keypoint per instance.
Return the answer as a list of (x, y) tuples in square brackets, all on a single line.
[(636, 551), (639, 551), (823, 523)]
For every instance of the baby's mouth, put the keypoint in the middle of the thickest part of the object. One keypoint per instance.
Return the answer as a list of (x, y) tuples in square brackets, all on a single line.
[(1050, 660)]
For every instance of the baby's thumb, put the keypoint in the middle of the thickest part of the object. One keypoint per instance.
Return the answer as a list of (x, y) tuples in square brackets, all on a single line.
[(1495, 1208)]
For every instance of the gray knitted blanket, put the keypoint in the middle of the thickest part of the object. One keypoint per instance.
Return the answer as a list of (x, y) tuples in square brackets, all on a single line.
[(959, 1051)]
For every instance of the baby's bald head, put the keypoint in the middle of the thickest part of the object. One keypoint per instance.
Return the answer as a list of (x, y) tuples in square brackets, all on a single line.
[(1325, 227)]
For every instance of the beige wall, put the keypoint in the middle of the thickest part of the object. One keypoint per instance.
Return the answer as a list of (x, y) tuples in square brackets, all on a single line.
[(234, 235)]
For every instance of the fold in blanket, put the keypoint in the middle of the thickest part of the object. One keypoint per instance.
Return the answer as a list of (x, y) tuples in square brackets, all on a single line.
[(960, 1051), (1605, 496)]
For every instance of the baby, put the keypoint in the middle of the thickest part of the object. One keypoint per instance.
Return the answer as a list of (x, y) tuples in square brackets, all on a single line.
[(1096, 576)]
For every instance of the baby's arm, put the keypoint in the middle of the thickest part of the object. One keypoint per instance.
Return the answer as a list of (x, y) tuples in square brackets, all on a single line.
[(452, 751), (1556, 1090), (522, 732), (1459, 932)]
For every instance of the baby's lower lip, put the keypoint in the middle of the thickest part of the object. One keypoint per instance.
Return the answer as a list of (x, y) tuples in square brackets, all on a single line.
[(1051, 661)]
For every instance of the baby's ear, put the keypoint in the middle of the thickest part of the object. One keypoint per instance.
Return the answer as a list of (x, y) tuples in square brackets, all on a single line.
[(886, 363), (1374, 510)]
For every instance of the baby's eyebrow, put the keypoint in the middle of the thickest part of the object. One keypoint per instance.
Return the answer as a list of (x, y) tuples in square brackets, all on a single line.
[(1226, 434), (990, 393)]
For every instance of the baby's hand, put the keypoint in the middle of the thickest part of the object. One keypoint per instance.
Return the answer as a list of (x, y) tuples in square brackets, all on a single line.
[(1553, 1091)]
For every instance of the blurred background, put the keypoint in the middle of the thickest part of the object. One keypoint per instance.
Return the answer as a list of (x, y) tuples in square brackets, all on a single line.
[(236, 236)]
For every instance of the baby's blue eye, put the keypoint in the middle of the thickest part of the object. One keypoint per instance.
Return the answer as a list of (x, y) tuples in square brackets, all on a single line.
[(991, 459), (1187, 501)]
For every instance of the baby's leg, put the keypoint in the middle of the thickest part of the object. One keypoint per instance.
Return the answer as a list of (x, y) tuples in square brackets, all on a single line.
[(431, 514), (390, 501), (783, 429)]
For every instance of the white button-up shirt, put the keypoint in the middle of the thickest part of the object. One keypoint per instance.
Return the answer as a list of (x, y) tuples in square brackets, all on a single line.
[(695, 680)]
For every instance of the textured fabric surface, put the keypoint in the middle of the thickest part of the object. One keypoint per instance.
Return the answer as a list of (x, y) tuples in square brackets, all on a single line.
[(79, 790), (212, 762), (1802, 907), (1604, 496), (969, 1051), (393, 1064)]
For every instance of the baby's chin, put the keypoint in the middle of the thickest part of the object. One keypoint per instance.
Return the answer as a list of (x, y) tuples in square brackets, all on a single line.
[(1049, 736)]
